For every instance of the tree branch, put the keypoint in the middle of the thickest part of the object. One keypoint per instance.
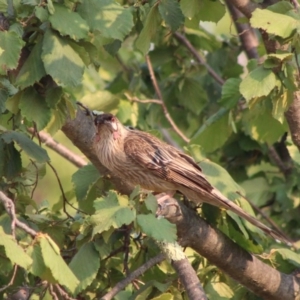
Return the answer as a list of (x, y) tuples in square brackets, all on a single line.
[(135, 274), (245, 268), (10, 209), (162, 103)]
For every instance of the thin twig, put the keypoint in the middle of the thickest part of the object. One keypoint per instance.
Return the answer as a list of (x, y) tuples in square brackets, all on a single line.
[(269, 220), (62, 292), (36, 178), (65, 200), (58, 148), (11, 280), (52, 293), (10, 209), (273, 155), (122, 284), (182, 39)]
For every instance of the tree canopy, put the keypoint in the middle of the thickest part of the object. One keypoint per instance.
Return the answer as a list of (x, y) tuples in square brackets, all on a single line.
[(216, 79)]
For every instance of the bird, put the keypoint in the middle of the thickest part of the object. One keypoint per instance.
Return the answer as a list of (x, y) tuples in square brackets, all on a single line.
[(140, 158)]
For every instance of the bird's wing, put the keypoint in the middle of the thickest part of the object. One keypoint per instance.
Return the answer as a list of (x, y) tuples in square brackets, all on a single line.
[(164, 161)]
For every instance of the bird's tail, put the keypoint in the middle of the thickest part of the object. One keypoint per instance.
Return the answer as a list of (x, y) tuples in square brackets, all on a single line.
[(216, 198), (227, 204)]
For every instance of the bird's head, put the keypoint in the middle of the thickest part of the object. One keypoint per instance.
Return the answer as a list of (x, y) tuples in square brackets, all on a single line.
[(109, 124)]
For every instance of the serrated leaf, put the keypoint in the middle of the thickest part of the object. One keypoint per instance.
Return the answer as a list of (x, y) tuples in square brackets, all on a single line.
[(259, 82), (171, 13), (61, 61), (83, 179), (10, 50), (38, 267), (107, 16), (274, 23), (59, 269), (211, 11), (85, 265), (14, 252), (150, 28), (289, 255), (31, 148), (190, 7), (53, 96), (69, 23), (231, 93), (110, 213), (158, 229), (34, 108), (33, 69), (281, 56)]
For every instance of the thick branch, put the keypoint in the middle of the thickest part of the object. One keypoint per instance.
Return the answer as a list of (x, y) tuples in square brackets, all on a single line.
[(245, 268)]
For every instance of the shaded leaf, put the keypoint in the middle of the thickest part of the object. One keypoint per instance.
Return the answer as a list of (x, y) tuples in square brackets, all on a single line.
[(171, 13), (158, 229), (231, 93), (85, 265), (31, 148), (34, 108), (33, 69), (83, 179), (69, 23), (61, 61), (10, 50), (107, 16), (190, 7), (211, 11)]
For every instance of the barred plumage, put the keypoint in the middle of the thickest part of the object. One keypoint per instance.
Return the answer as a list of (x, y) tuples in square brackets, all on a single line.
[(142, 159)]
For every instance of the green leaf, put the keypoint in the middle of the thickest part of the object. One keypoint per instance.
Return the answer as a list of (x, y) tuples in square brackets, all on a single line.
[(258, 126), (10, 50), (14, 252), (151, 203), (85, 265), (41, 13), (38, 267), (31, 148), (192, 95), (171, 13), (149, 30), (220, 178), (107, 16), (61, 61), (12, 164), (274, 23), (190, 7), (211, 11), (111, 213), (53, 96), (69, 23), (54, 262), (218, 290), (209, 140), (34, 108), (281, 104), (83, 179), (259, 82), (158, 229), (33, 69), (230, 93)]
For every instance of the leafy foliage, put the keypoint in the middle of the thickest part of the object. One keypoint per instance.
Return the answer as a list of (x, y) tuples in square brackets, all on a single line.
[(53, 53)]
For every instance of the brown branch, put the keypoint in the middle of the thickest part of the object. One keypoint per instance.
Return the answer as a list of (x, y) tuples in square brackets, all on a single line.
[(11, 280), (52, 293), (162, 103), (182, 39), (245, 6), (62, 292), (10, 209), (132, 276), (245, 268), (59, 149)]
